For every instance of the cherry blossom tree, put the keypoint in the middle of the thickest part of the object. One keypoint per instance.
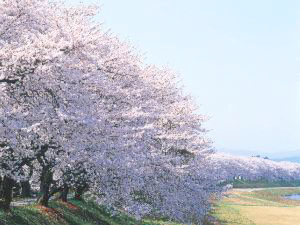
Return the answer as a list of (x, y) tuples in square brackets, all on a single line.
[(79, 109), (253, 168)]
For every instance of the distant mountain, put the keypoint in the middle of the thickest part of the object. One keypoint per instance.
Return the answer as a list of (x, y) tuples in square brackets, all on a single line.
[(286, 154), (292, 156), (241, 152)]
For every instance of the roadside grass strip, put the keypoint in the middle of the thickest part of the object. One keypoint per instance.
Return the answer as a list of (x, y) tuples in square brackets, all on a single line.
[(230, 215)]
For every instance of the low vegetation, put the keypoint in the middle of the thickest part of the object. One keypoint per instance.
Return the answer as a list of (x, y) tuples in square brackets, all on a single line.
[(75, 213), (265, 183), (265, 207)]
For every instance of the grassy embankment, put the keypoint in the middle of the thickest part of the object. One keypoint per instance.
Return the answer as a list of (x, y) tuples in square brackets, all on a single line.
[(72, 213), (264, 183), (265, 207)]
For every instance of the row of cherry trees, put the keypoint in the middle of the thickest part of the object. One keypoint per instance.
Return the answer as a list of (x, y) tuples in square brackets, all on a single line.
[(80, 110), (253, 168)]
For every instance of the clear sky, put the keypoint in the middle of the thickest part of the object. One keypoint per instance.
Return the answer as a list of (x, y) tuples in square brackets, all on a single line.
[(239, 59)]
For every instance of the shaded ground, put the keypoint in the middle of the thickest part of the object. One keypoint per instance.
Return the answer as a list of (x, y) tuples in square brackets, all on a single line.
[(59, 213), (72, 213)]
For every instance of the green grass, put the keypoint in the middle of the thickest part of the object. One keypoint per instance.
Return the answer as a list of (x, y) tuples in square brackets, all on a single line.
[(264, 183), (76, 213), (235, 209), (230, 215), (81, 214), (275, 195)]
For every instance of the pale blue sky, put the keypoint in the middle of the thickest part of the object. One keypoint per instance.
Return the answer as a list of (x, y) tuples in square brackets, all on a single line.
[(239, 59)]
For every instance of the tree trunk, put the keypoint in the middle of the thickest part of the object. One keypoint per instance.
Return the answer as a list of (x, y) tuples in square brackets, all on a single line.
[(26, 189), (16, 189), (64, 193), (79, 192), (6, 191), (46, 180)]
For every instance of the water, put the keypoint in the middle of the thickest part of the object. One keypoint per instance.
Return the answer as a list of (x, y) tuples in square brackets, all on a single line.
[(292, 197)]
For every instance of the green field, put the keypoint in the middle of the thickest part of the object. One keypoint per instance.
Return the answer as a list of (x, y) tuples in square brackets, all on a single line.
[(264, 183), (264, 207)]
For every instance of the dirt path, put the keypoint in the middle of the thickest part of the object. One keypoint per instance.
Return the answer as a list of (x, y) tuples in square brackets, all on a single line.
[(28, 201), (22, 202)]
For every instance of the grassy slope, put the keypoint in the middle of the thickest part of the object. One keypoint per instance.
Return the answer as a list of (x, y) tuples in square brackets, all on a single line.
[(75, 213), (239, 208), (265, 207)]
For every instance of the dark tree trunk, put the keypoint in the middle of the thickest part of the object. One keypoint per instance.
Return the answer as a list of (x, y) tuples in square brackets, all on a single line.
[(79, 192), (46, 180), (16, 189), (26, 189), (64, 193), (6, 190)]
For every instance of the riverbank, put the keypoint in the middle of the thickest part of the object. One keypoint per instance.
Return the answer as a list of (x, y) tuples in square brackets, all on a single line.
[(265, 206)]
